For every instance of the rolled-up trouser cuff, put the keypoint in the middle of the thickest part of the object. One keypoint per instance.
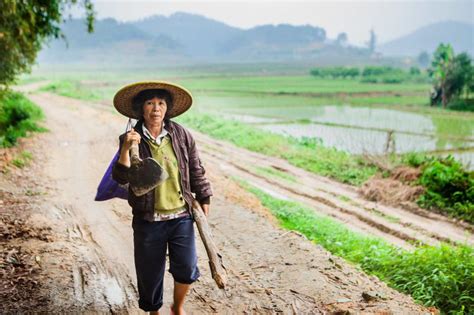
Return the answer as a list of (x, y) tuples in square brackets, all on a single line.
[(187, 280), (149, 308)]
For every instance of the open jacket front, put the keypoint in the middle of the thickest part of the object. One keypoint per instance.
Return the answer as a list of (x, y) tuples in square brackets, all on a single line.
[(192, 172)]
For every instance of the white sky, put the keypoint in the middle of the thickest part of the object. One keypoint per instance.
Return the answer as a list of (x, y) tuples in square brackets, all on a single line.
[(390, 19)]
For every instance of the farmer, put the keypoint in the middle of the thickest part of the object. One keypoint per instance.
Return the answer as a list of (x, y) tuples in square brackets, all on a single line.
[(162, 217)]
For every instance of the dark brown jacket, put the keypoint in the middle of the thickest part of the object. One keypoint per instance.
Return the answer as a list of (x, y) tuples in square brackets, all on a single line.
[(192, 172)]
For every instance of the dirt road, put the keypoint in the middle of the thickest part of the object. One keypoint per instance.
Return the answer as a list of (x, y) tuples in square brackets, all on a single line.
[(90, 263)]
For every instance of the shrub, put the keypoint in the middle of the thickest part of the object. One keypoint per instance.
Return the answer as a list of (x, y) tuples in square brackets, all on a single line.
[(392, 79), (415, 159), (18, 115), (462, 104), (449, 188), (336, 72)]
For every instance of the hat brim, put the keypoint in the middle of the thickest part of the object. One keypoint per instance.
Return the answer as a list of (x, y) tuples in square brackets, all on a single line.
[(182, 98)]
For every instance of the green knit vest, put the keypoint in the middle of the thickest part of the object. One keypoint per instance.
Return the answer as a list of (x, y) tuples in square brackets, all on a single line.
[(168, 195)]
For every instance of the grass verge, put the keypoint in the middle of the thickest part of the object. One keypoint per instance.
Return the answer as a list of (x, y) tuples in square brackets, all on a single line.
[(72, 89), (18, 116), (441, 276)]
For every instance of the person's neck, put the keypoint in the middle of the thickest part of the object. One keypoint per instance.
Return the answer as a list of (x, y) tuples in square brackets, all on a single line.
[(154, 129)]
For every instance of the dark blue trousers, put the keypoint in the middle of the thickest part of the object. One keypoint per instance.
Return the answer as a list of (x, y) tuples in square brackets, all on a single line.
[(150, 242)]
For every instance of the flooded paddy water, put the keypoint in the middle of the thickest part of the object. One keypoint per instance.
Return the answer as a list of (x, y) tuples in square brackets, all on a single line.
[(358, 129)]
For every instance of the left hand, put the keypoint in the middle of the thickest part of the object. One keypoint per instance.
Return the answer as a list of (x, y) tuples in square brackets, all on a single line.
[(205, 209)]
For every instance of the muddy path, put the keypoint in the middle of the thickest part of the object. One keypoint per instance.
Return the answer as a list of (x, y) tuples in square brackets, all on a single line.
[(270, 270)]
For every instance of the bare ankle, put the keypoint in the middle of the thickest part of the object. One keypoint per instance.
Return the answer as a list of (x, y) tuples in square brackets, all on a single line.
[(178, 310)]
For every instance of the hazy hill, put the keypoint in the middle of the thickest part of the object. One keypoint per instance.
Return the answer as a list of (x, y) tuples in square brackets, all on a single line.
[(111, 41), (187, 38), (280, 41), (206, 38), (200, 37), (460, 35)]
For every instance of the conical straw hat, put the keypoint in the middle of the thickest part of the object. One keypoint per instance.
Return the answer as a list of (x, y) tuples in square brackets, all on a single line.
[(182, 98)]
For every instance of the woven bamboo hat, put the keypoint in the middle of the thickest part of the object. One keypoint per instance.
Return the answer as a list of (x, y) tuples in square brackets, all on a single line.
[(123, 99)]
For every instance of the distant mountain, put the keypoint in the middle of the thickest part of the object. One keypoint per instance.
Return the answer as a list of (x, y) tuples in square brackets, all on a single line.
[(283, 40), (189, 38), (460, 35), (200, 36), (111, 41)]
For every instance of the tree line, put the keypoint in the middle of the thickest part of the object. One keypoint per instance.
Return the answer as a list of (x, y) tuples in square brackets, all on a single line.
[(452, 76)]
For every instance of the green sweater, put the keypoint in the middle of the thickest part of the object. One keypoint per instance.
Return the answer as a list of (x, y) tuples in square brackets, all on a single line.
[(168, 195)]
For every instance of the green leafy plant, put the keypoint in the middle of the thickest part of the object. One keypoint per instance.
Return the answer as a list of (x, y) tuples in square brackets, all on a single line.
[(25, 25), (18, 116), (449, 188)]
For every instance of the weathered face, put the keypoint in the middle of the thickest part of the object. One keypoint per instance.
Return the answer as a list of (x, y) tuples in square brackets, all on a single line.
[(154, 111)]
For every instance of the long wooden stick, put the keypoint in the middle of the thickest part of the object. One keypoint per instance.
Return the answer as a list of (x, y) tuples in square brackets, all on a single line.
[(218, 271)]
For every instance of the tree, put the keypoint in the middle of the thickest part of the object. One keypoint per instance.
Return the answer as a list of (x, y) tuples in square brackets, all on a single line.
[(341, 39), (452, 73), (461, 76), (440, 68), (25, 25), (423, 59), (372, 41)]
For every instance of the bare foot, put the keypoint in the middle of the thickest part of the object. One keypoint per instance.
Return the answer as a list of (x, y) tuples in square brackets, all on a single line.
[(180, 311)]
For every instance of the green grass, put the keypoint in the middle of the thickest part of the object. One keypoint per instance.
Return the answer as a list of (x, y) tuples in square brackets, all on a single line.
[(218, 101), (296, 84), (441, 276), (18, 117), (306, 153), (88, 91), (73, 89), (23, 159)]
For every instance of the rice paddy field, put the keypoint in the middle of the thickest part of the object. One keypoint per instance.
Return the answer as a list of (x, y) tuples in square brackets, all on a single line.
[(346, 114)]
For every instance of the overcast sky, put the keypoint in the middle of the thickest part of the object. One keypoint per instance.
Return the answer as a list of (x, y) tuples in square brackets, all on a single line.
[(390, 19)]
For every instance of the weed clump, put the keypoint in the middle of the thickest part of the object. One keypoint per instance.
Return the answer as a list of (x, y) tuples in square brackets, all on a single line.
[(18, 116)]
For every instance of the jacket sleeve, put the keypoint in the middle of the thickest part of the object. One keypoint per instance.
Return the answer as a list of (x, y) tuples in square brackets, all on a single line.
[(120, 171), (199, 183)]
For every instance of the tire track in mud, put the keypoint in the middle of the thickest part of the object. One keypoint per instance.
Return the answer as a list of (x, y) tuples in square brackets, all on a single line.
[(94, 278)]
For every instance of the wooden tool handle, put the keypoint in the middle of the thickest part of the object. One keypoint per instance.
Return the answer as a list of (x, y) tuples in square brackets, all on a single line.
[(134, 153), (215, 258)]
